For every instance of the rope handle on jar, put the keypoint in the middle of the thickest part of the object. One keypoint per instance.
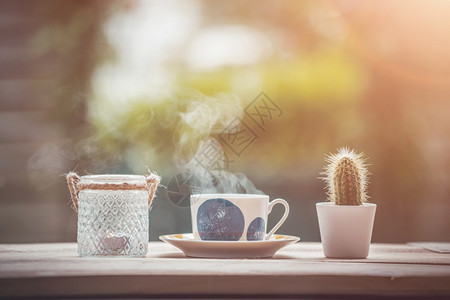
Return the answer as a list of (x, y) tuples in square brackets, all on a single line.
[(73, 181), (152, 183)]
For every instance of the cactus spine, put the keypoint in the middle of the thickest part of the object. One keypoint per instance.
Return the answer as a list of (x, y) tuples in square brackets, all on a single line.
[(346, 177)]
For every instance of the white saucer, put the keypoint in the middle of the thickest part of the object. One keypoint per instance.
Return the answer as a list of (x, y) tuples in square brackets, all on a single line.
[(228, 249)]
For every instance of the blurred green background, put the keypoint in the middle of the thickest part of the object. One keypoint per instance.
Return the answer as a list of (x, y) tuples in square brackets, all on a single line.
[(122, 86)]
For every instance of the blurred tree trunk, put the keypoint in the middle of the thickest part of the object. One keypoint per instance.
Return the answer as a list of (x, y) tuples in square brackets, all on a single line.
[(48, 52)]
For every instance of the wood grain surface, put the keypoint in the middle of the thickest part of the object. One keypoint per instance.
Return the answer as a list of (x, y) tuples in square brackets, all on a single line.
[(300, 269)]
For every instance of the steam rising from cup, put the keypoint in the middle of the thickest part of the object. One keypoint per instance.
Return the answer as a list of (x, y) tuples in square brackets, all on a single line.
[(209, 163)]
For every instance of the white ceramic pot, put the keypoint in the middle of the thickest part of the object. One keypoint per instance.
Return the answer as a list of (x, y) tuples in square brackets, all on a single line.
[(346, 230)]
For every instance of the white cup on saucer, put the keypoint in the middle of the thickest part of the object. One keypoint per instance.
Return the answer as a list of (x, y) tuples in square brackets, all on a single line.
[(233, 217)]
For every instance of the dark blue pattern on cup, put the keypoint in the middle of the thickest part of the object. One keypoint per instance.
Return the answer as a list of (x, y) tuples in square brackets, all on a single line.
[(220, 219), (256, 230)]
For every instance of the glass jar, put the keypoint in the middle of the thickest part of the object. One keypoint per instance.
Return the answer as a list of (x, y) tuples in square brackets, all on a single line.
[(113, 213)]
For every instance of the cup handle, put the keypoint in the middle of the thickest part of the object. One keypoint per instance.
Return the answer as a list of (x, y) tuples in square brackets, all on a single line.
[(286, 213)]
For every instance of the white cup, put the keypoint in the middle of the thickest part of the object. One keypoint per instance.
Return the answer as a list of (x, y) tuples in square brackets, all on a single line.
[(233, 217)]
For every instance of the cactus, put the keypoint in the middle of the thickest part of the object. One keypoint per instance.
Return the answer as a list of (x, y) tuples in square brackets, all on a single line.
[(346, 177)]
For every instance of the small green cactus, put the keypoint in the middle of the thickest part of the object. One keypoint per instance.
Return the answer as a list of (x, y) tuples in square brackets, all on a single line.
[(346, 177)]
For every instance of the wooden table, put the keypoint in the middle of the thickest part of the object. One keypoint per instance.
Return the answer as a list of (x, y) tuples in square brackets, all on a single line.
[(298, 270)]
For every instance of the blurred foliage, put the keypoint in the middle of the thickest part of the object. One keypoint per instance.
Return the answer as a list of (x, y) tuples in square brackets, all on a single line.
[(317, 88)]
